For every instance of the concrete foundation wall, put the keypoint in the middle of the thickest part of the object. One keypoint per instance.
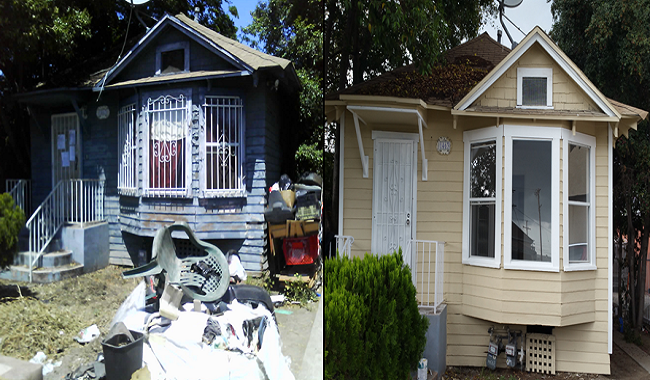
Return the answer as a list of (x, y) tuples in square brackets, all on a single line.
[(90, 245)]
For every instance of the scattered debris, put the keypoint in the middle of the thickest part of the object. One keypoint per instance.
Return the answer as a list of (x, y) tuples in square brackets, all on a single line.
[(88, 334), (278, 298), (41, 358)]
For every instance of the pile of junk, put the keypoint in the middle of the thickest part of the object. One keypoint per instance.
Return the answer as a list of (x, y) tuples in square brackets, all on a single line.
[(293, 215), (185, 320)]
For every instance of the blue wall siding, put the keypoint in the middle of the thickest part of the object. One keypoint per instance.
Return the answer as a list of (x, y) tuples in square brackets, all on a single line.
[(144, 65)]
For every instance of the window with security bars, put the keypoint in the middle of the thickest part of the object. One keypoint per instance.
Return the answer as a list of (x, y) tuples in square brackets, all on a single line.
[(168, 125), (224, 152), (127, 138)]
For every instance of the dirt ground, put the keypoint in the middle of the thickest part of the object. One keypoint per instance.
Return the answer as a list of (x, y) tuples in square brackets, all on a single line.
[(48, 316)]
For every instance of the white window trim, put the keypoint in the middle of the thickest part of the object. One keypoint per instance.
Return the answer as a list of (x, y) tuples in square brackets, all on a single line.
[(590, 142), (471, 137), (146, 190), (519, 132), (535, 72), (185, 45), (217, 193), (121, 185)]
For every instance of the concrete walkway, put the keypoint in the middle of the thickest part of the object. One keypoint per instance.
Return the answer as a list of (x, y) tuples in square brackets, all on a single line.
[(631, 349), (312, 361)]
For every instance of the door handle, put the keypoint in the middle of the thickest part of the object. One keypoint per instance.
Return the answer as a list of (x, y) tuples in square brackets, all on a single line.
[(408, 218)]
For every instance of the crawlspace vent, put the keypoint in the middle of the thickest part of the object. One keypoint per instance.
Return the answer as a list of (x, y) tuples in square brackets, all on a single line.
[(540, 353)]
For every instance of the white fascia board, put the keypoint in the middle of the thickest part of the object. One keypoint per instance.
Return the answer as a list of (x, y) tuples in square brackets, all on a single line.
[(610, 238), (389, 109), (557, 58)]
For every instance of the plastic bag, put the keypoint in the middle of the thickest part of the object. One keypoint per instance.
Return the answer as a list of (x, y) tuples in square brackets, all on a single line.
[(285, 182)]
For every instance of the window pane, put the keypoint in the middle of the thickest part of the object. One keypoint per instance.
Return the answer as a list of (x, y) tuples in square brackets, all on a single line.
[(578, 173), (482, 237), (223, 116), (534, 91), (578, 233), (483, 170), (167, 133), (531, 200), (172, 61)]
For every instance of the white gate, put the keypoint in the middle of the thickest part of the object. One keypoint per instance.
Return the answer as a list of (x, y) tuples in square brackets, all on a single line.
[(65, 147), (394, 182)]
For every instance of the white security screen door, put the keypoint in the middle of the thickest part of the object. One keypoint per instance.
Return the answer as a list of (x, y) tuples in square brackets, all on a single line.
[(65, 147), (394, 166)]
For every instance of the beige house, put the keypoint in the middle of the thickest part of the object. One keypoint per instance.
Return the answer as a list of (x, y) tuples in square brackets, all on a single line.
[(512, 180)]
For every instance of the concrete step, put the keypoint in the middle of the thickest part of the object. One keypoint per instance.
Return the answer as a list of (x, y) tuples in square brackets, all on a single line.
[(47, 260), (42, 275)]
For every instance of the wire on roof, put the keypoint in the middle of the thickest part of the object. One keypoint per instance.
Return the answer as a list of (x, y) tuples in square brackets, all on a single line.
[(126, 36)]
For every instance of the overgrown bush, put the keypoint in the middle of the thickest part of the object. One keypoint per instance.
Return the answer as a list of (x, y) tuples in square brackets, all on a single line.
[(373, 329), (12, 219)]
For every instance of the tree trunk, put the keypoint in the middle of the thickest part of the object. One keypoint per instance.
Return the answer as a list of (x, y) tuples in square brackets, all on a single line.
[(327, 42), (642, 268), (345, 49), (630, 257)]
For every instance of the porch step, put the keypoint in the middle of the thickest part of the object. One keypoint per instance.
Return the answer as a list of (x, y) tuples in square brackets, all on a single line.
[(48, 260), (42, 275)]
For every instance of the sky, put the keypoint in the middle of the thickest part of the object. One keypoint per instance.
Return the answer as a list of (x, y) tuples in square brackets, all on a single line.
[(244, 9), (526, 16)]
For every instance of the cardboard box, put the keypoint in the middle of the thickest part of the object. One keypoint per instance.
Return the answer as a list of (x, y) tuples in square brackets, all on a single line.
[(289, 197)]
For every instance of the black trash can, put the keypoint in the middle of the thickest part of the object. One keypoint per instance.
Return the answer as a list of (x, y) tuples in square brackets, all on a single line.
[(121, 356)]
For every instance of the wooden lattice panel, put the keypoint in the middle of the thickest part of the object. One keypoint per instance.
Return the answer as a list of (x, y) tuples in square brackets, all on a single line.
[(540, 353)]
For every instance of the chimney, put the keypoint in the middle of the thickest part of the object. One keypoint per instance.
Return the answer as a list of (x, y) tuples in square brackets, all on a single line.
[(499, 33)]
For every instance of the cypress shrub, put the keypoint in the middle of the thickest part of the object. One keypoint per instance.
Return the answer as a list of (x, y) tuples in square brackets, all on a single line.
[(12, 219), (373, 328)]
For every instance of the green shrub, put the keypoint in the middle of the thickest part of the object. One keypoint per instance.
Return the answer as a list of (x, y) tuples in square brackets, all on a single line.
[(373, 329), (12, 219)]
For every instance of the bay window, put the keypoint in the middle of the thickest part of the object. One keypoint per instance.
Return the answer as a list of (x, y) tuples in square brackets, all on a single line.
[(168, 128), (127, 178), (223, 146), (531, 201), (579, 213), (482, 190)]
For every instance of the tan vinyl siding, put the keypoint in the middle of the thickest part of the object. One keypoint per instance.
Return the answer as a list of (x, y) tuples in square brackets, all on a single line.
[(566, 94)]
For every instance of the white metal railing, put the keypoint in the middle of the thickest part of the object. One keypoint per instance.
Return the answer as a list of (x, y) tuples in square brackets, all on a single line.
[(427, 259), (71, 201), (21, 191), (344, 245)]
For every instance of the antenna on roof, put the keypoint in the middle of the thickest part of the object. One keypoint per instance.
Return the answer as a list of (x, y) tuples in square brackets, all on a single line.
[(509, 4), (137, 14)]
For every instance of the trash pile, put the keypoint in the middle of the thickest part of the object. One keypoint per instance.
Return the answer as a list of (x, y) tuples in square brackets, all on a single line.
[(198, 327), (293, 213), (299, 201)]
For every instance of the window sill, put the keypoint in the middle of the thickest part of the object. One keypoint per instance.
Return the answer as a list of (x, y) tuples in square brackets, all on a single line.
[(535, 107), (224, 193), (579, 267), (486, 262), (531, 266)]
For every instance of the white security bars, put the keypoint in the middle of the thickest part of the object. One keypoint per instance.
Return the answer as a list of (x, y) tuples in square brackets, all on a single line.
[(224, 151), (427, 261), (71, 201), (168, 132), (344, 245), (127, 178), (21, 192)]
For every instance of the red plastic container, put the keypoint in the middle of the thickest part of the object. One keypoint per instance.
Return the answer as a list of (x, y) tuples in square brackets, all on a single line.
[(300, 251)]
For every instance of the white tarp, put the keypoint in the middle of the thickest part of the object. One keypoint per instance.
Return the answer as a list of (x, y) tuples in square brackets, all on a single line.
[(176, 351)]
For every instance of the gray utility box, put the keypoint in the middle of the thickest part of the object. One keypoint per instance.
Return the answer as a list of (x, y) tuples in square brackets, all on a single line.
[(435, 350)]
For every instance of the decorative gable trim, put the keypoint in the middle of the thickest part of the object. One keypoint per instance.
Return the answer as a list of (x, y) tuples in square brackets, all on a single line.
[(538, 36), (151, 35)]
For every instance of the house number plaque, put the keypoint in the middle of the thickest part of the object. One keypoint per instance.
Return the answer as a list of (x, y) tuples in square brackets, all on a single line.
[(443, 145), (102, 112)]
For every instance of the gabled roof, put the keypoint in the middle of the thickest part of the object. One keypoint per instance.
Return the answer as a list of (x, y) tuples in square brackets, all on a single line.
[(475, 57), (242, 57), (537, 36)]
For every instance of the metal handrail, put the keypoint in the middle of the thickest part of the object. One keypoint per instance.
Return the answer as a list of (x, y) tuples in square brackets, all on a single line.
[(422, 252), (344, 245), (71, 201), (20, 191)]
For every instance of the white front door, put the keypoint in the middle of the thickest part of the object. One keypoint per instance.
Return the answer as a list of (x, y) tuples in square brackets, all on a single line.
[(65, 147), (394, 182)]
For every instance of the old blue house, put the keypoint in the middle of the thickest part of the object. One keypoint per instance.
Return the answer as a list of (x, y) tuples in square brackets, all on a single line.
[(186, 126)]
